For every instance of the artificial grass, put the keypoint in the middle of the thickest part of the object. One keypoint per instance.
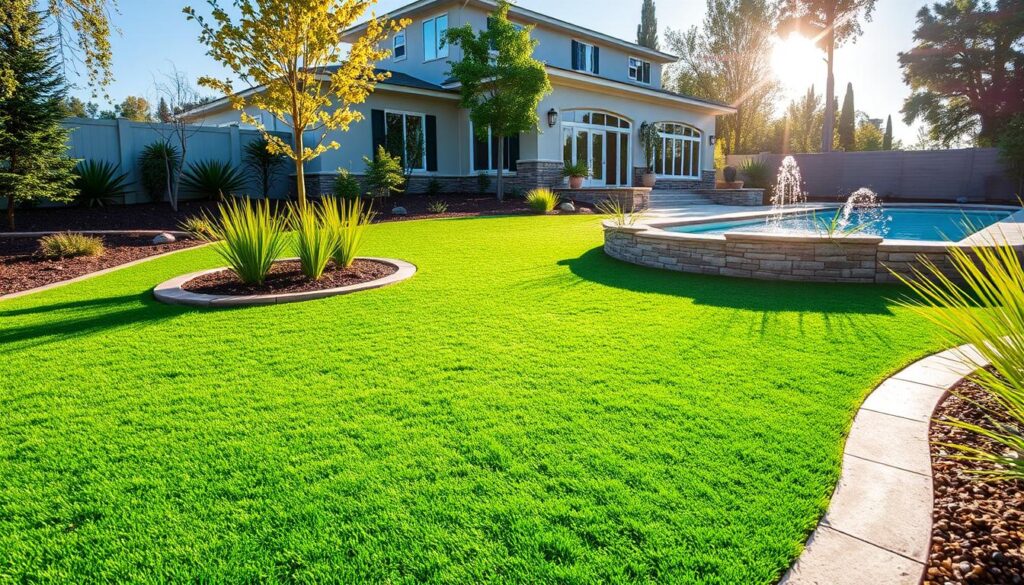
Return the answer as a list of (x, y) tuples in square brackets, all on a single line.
[(524, 409)]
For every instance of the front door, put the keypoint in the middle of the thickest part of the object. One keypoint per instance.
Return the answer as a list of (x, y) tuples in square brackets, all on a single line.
[(588, 146), (597, 158)]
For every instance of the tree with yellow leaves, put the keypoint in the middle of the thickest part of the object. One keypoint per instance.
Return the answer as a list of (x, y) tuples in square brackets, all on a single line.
[(282, 49)]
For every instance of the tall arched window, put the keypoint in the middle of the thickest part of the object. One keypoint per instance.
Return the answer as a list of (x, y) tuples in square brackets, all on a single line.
[(680, 151), (601, 140)]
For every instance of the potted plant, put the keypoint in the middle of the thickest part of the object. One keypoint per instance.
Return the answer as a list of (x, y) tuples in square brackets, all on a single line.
[(576, 172), (650, 142), (730, 182)]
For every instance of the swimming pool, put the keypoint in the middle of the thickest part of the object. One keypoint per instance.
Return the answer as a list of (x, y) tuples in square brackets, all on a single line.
[(934, 224)]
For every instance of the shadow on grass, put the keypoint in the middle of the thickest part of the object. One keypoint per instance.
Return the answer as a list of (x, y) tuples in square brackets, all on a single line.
[(82, 318), (736, 293)]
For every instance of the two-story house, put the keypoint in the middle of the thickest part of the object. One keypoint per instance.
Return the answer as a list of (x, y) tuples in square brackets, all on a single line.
[(604, 88)]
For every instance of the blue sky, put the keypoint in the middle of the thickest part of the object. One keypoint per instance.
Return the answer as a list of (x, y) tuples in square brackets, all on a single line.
[(154, 35)]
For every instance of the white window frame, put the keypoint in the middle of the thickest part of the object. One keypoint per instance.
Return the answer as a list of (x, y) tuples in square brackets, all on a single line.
[(635, 71), (404, 44), (490, 148), (440, 48), (696, 140), (588, 57), (405, 130)]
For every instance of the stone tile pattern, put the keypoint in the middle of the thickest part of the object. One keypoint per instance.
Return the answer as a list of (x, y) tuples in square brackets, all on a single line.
[(878, 525), (529, 175), (706, 181), (628, 197), (852, 259), (733, 196)]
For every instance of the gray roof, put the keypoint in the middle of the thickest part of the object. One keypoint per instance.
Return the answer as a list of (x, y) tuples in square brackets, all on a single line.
[(397, 78)]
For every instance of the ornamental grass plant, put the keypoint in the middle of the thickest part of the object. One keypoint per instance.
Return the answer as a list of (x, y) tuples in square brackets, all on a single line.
[(249, 236)]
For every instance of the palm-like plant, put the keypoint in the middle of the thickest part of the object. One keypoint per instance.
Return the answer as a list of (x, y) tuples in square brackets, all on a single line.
[(987, 311), (347, 220), (249, 236), (98, 182), (212, 178), (314, 242), (263, 165)]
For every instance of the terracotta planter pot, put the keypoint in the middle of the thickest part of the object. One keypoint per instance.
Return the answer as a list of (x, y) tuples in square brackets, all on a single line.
[(575, 182), (648, 180)]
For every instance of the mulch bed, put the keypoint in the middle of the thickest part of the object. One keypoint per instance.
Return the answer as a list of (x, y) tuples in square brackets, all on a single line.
[(978, 531), (287, 277), (160, 216), (22, 268)]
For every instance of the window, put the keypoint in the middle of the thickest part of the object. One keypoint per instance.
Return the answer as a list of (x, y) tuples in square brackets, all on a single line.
[(434, 44), (404, 137), (585, 57), (484, 155), (680, 151), (399, 47), (639, 70)]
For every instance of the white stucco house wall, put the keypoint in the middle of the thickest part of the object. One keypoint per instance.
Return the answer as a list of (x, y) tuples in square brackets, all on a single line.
[(604, 88)]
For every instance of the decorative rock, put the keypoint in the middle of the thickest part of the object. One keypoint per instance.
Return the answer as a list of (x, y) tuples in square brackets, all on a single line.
[(164, 238), (399, 210), (584, 210), (567, 206)]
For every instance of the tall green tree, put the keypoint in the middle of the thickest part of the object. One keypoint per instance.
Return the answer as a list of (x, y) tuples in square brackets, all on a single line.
[(869, 137), (728, 59), (847, 129), (33, 144), (804, 119), (887, 137), (831, 23), (1011, 149), (134, 108), (647, 30), (501, 83), (163, 111), (966, 69), (75, 108)]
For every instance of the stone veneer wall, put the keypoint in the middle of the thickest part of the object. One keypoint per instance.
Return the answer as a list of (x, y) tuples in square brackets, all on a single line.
[(529, 174), (856, 258), (627, 197), (733, 196), (706, 181)]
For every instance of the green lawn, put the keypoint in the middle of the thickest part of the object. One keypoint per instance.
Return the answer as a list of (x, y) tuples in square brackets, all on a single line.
[(524, 409)]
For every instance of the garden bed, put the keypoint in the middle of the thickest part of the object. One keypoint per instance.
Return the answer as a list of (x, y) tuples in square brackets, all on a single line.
[(286, 277), (978, 530), (160, 216), (22, 268)]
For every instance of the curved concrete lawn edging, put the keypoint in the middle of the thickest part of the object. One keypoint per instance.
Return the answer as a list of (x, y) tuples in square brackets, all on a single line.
[(878, 527), (172, 293)]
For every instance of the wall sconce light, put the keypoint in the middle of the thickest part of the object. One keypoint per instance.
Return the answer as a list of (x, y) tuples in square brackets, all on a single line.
[(712, 139), (552, 118)]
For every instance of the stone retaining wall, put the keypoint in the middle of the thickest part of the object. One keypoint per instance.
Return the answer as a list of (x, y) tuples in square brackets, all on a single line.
[(855, 258), (706, 181), (627, 197), (733, 196)]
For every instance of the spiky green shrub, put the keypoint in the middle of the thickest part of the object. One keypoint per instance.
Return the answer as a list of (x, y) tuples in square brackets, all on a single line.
[(157, 162), (314, 241), (757, 174), (622, 215), (437, 206), (263, 166), (198, 227), (434, 187), (212, 178), (70, 245), (987, 311), (542, 200), (578, 169), (346, 186), (249, 236), (99, 183), (347, 220)]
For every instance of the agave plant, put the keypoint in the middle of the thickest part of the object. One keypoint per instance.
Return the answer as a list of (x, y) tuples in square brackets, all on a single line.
[(249, 236), (347, 220), (987, 311), (212, 178), (157, 164), (98, 182)]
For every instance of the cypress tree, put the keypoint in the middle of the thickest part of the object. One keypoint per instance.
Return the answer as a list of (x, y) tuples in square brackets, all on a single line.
[(163, 112), (847, 124), (647, 30), (33, 144), (887, 139)]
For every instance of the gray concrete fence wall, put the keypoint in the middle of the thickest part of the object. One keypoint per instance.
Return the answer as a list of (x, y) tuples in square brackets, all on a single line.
[(971, 174), (121, 142)]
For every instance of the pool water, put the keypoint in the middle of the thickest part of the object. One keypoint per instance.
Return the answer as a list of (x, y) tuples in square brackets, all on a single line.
[(900, 223)]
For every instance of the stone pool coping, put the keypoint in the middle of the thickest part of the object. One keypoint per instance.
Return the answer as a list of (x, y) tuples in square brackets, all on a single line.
[(172, 293), (858, 258), (878, 526)]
